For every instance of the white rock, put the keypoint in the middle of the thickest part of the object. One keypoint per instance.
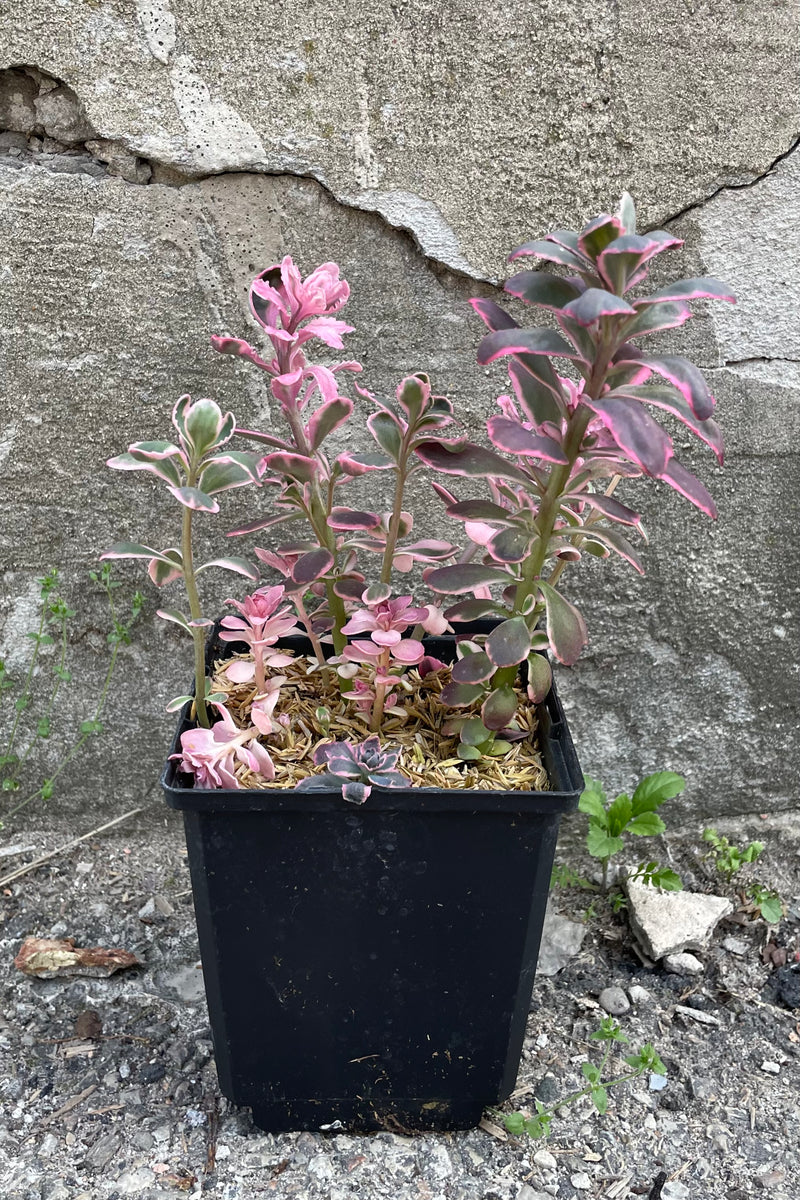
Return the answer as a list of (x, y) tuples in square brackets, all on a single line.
[(735, 945), (675, 1190), (561, 941), (670, 922), (545, 1160), (640, 995), (581, 1181), (772, 1068), (614, 1001), (683, 964), (526, 1192)]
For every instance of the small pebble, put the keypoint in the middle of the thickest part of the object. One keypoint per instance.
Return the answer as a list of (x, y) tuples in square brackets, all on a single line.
[(735, 946), (658, 1083), (770, 1179), (675, 1190), (772, 1068), (545, 1160), (581, 1181), (650, 1123), (614, 1001), (683, 964), (639, 995)]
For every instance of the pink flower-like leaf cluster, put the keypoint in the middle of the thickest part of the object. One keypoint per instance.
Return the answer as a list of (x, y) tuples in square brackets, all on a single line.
[(211, 754), (261, 624)]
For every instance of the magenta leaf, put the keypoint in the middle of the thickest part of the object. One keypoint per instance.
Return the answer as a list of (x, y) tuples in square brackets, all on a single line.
[(594, 304), (608, 506), (514, 438), (377, 593), (239, 347), (296, 466), (311, 566), (623, 263), (499, 707), (480, 510), (386, 430), (470, 460), (511, 545), (329, 416), (412, 394), (704, 288), (595, 236), (551, 252), (264, 523), (461, 695), (493, 315), (524, 341), (135, 550), (265, 439), (613, 539), (349, 587), (240, 566), (684, 482), (670, 400), (161, 573), (349, 518), (540, 677), (472, 610), (362, 464), (195, 499), (566, 627), (635, 432), (541, 289), (473, 668), (509, 643), (537, 388), (464, 577), (655, 317), (679, 371)]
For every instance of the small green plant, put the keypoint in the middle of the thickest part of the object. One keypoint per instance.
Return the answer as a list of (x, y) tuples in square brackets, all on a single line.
[(768, 903), (727, 858), (597, 1086), (564, 876), (47, 673), (630, 814)]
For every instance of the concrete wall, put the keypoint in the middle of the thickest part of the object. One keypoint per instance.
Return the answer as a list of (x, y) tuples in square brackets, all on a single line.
[(159, 155)]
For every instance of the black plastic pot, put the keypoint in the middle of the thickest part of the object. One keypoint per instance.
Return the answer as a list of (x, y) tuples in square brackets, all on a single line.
[(372, 967)]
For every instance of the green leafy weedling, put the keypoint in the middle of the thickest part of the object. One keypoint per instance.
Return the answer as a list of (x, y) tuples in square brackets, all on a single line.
[(728, 858), (564, 876), (42, 684), (636, 814), (538, 1124)]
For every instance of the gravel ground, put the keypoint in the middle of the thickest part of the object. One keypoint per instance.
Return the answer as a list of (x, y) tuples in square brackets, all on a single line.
[(109, 1088)]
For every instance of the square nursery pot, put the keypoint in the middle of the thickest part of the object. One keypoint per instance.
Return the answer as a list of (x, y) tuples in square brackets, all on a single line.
[(371, 967)]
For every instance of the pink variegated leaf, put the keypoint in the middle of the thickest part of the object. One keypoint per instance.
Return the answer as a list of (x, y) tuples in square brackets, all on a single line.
[(322, 379), (311, 566), (623, 263), (265, 523), (537, 388), (329, 416), (493, 315), (473, 668), (480, 510), (539, 677), (240, 566), (580, 337), (206, 426), (388, 433), (350, 518), (541, 289), (230, 471), (429, 550), (473, 610), (464, 577), (704, 288), (296, 466), (241, 671), (161, 573), (413, 395), (135, 550), (349, 587), (408, 651), (551, 251), (510, 545), (524, 341), (159, 465), (614, 541), (669, 399), (594, 304), (635, 432), (443, 493), (678, 371), (512, 437), (509, 643), (654, 317), (469, 460), (689, 486), (608, 506), (265, 439), (241, 348), (362, 464), (566, 628), (595, 236), (461, 695), (195, 499), (499, 707)]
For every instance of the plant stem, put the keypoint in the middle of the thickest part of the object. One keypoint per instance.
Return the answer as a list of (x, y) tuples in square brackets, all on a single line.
[(198, 635), (305, 621), (397, 512), (380, 695)]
